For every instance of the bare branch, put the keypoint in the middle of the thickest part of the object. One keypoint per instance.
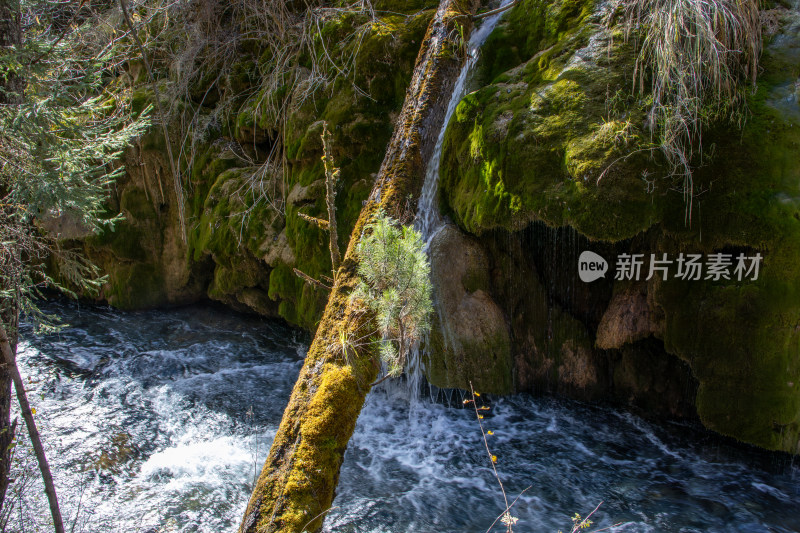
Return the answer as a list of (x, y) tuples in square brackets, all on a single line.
[(308, 279), (321, 224)]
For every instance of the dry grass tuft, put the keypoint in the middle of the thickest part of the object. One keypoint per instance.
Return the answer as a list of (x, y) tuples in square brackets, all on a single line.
[(699, 56), (279, 46)]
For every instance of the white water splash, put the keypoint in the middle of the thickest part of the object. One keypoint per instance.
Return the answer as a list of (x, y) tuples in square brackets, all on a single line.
[(154, 429), (421, 467), (179, 391)]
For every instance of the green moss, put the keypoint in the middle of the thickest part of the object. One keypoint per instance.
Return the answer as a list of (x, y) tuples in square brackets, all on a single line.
[(559, 139), (741, 338), (232, 219), (125, 240), (135, 286), (530, 27), (140, 99), (299, 302), (232, 280), (242, 76), (326, 426), (485, 363), (136, 204), (360, 126), (403, 6), (533, 145)]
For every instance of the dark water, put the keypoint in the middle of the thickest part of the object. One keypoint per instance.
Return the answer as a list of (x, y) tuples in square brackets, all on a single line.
[(423, 467), (158, 421)]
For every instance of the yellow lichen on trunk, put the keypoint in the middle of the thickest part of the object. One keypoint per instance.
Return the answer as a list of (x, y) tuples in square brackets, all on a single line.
[(297, 484)]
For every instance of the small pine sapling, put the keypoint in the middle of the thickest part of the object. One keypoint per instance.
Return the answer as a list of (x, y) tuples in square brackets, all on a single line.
[(395, 285)]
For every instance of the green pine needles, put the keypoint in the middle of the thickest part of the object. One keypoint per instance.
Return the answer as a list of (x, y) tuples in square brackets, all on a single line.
[(65, 120), (395, 284)]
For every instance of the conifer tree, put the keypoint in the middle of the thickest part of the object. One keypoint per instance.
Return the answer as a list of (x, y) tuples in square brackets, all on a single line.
[(64, 122), (395, 284)]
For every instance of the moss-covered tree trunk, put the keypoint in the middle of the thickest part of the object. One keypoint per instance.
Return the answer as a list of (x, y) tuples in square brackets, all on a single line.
[(297, 484)]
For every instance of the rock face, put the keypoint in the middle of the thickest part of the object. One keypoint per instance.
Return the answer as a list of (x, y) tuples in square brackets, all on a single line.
[(553, 137), (244, 235), (630, 317), (471, 337)]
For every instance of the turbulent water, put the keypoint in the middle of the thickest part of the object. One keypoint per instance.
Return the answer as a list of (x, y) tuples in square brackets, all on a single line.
[(157, 421)]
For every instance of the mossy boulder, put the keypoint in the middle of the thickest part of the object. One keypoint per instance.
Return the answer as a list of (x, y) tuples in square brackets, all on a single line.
[(551, 138)]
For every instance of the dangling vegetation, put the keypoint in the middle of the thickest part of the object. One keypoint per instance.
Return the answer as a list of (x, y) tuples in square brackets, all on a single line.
[(699, 58), (395, 284), (275, 55)]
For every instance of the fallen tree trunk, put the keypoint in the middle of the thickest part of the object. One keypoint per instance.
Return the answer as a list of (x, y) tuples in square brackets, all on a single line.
[(297, 484)]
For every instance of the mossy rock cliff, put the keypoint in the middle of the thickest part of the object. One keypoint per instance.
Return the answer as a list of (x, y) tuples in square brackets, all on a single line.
[(550, 154), (243, 233), (554, 136)]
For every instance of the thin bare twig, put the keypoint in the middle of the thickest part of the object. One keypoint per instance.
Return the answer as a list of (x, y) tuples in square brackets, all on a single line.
[(495, 11), (33, 432), (501, 515), (308, 279), (580, 525), (488, 451)]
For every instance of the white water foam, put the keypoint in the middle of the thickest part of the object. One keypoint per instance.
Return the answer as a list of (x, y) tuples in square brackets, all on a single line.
[(180, 388), (155, 429)]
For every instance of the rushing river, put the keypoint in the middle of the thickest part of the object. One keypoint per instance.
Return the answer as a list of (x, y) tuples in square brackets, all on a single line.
[(158, 421)]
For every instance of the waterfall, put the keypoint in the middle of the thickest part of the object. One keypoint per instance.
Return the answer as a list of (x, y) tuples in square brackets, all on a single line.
[(429, 220)]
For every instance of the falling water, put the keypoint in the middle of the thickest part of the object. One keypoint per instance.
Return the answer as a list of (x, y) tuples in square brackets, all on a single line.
[(429, 220)]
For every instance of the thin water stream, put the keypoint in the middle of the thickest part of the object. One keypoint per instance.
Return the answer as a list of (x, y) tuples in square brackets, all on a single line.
[(429, 221)]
